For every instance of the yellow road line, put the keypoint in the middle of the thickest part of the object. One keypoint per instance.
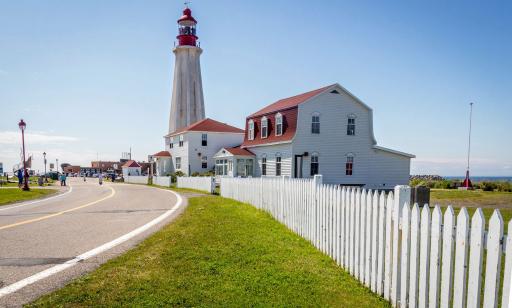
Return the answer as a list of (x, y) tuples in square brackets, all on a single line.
[(58, 213)]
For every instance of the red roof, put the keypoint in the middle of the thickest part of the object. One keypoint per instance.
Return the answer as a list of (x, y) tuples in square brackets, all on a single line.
[(289, 102), (162, 154), (289, 128), (187, 15), (209, 125), (239, 151), (131, 163)]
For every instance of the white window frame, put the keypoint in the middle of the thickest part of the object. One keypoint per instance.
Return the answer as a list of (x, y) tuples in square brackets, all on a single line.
[(279, 164), (351, 127), (178, 163), (313, 122), (171, 142), (180, 144), (264, 127), (250, 130), (204, 138), (204, 160), (349, 160), (264, 163), (279, 124)]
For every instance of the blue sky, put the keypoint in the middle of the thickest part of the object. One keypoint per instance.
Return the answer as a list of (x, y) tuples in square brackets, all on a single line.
[(92, 78)]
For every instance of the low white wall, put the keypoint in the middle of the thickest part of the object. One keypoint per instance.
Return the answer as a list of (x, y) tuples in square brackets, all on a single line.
[(205, 183), (136, 179), (162, 181)]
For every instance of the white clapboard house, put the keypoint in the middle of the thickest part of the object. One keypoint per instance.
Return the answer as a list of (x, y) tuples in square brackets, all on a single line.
[(191, 149), (327, 131)]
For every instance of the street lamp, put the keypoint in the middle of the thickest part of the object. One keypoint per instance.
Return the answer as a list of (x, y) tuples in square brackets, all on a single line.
[(45, 178), (22, 125)]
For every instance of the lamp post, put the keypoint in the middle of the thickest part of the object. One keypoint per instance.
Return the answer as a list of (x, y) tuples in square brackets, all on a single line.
[(22, 125), (45, 178)]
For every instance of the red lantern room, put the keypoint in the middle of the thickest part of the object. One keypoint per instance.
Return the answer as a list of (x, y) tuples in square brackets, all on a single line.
[(187, 29)]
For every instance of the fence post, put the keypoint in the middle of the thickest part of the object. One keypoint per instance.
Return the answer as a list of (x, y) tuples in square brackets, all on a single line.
[(402, 195)]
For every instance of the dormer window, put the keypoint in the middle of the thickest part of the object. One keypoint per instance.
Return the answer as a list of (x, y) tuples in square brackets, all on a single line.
[(279, 124), (351, 125), (250, 131), (264, 127)]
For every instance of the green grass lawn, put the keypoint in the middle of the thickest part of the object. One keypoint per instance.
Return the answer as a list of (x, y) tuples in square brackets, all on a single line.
[(10, 195), (218, 253), (473, 199)]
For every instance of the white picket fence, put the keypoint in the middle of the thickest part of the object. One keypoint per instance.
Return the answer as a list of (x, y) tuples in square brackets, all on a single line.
[(204, 183), (411, 255), (136, 179), (162, 180)]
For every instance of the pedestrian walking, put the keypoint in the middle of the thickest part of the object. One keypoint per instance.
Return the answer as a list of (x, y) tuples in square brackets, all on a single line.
[(100, 178), (20, 177)]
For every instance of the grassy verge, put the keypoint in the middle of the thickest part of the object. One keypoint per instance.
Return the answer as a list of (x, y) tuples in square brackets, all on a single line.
[(218, 253), (473, 199), (14, 195)]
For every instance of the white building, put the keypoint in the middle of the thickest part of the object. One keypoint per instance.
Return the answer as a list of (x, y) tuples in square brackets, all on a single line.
[(327, 131), (163, 163), (192, 148), (131, 168)]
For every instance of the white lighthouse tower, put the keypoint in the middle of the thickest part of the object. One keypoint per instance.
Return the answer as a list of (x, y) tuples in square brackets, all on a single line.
[(187, 103)]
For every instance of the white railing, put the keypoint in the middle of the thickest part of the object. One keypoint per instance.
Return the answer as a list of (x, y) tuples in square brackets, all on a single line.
[(413, 256), (204, 183), (162, 181), (139, 179)]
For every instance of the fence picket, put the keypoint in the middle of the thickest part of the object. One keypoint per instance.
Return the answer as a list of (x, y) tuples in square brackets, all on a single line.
[(435, 254), (414, 256), (404, 279), (368, 239), (447, 261), (381, 244), (493, 263), (357, 233), (362, 235), (475, 258), (388, 250), (507, 277), (424, 256), (461, 259), (375, 227)]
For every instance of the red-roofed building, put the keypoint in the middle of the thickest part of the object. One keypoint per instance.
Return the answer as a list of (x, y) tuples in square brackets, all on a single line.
[(326, 131), (131, 168), (234, 162), (191, 149)]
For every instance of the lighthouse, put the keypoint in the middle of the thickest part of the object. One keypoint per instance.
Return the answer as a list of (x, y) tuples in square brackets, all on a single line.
[(187, 102)]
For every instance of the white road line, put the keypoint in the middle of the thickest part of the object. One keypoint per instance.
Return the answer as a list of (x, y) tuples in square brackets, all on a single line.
[(37, 201), (91, 253)]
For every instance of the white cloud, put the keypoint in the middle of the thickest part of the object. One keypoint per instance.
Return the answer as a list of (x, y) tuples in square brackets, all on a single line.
[(10, 137)]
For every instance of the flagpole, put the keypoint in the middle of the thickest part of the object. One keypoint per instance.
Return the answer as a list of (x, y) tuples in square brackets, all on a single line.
[(467, 181)]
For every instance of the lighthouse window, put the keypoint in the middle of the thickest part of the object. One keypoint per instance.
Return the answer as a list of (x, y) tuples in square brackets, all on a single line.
[(279, 124), (187, 30), (250, 133), (264, 127)]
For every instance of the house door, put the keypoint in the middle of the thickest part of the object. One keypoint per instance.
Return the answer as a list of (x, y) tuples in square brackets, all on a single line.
[(298, 166)]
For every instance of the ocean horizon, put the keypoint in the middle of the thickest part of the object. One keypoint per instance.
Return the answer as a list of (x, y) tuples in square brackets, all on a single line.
[(482, 178)]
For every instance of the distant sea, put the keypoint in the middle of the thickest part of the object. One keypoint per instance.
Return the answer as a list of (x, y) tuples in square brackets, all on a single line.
[(482, 178)]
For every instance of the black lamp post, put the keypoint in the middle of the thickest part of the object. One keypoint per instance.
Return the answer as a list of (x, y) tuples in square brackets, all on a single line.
[(45, 178), (22, 125)]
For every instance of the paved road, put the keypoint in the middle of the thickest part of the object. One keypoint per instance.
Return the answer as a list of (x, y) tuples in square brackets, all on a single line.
[(40, 236)]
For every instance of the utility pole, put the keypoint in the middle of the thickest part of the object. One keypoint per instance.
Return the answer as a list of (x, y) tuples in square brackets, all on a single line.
[(467, 182)]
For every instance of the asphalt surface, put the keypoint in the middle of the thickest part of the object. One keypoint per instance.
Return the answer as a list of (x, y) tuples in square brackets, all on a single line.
[(38, 236)]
